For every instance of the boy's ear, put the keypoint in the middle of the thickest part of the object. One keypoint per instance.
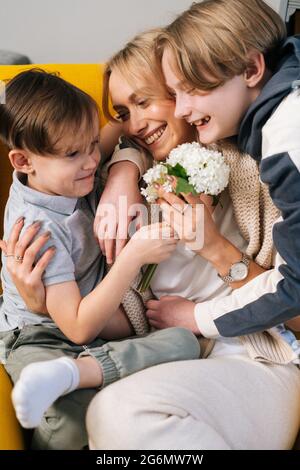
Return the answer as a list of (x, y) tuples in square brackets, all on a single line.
[(255, 71), (21, 161)]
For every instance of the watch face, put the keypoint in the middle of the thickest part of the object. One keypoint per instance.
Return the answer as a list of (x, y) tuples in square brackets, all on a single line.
[(239, 271)]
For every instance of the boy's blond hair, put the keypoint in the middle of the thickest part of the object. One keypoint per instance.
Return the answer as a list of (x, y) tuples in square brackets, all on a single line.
[(137, 63), (211, 41)]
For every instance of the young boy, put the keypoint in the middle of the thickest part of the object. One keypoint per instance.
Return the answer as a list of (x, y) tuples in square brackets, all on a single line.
[(52, 131), (234, 73)]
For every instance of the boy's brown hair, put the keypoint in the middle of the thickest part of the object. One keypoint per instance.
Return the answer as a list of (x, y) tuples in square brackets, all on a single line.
[(136, 62), (211, 41), (40, 108)]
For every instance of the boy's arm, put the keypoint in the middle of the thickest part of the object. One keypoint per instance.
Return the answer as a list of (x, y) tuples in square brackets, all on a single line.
[(82, 319), (274, 296), (237, 314)]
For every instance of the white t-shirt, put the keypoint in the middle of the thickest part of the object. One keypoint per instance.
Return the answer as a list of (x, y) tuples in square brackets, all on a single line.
[(188, 275)]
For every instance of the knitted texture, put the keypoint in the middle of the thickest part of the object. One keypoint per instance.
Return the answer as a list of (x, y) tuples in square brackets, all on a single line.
[(255, 214), (268, 346), (133, 303), (253, 207)]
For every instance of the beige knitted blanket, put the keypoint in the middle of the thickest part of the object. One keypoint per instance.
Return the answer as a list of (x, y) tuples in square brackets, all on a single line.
[(255, 215)]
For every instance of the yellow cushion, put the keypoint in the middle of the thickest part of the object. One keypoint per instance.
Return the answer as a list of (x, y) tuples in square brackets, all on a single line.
[(10, 431), (87, 77)]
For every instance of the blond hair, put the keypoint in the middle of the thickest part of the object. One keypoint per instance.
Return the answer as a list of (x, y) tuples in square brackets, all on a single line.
[(211, 41), (137, 63)]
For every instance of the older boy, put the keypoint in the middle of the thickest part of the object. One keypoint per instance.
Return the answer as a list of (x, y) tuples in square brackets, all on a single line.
[(234, 73)]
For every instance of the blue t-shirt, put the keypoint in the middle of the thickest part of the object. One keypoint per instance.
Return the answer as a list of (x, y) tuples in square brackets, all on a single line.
[(77, 258)]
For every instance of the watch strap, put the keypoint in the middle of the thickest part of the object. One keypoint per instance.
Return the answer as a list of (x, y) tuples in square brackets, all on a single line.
[(228, 278)]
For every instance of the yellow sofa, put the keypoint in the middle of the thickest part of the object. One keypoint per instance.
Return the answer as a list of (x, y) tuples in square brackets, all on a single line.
[(88, 77)]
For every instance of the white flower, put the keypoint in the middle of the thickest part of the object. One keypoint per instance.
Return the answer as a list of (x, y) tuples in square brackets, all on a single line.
[(206, 170), (158, 172), (149, 193), (167, 187)]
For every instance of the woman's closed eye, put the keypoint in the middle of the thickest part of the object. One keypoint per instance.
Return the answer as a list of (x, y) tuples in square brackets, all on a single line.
[(143, 102), (122, 116), (122, 113)]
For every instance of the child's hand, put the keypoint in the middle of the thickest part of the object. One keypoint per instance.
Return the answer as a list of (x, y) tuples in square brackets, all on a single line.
[(152, 243), (120, 194)]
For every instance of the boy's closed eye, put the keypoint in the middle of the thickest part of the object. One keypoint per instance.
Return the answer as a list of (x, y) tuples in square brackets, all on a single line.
[(72, 154), (75, 153)]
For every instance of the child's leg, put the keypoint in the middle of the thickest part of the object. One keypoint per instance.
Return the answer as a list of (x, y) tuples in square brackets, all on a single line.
[(42, 383), (119, 359), (63, 425)]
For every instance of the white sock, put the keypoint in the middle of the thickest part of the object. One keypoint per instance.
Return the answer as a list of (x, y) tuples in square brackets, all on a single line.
[(39, 385)]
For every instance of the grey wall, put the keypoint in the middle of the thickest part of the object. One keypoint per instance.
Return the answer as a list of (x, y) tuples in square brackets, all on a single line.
[(79, 30)]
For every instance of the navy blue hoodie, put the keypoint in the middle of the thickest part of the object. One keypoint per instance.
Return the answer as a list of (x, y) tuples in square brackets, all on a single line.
[(270, 133)]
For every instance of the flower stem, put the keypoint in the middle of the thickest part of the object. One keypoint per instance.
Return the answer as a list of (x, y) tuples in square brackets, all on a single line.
[(147, 277)]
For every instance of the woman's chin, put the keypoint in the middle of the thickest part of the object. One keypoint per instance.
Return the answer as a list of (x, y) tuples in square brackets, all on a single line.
[(159, 157)]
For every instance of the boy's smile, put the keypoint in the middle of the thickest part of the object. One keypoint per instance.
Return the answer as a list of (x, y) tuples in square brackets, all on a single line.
[(71, 173), (217, 113)]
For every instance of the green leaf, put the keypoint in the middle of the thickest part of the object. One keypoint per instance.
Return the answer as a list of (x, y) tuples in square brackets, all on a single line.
[(215, 200), (184, 186), (177, 170)]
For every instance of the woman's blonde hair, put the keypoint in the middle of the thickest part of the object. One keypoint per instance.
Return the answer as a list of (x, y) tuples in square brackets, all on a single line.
[(211, 41), (136, 62)]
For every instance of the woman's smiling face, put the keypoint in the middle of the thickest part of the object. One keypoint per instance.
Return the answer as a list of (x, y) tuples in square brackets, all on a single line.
[(147, 118)]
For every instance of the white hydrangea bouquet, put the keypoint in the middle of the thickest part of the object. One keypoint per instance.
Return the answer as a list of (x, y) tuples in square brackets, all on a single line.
[(197, 170)]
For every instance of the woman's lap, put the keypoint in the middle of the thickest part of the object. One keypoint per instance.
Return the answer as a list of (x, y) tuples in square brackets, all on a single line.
[(228, 402)]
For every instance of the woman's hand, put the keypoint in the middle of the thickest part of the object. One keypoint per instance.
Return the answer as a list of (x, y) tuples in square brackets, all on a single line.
[(121, 192), (209, 244), (151, 244), (170, 311), (191, 218), (25, 273)]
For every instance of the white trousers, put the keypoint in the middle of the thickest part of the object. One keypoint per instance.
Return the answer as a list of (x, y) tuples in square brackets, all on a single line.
[(223, 402)]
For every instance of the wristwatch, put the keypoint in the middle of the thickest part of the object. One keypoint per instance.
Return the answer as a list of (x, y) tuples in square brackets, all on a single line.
[(238, 271)]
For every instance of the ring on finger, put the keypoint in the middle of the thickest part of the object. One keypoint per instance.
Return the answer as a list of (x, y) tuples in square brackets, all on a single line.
[(185, 207), (18, 258)]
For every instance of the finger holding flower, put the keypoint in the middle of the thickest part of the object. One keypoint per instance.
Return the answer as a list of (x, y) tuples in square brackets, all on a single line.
[(201, 174), (195, 227)]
